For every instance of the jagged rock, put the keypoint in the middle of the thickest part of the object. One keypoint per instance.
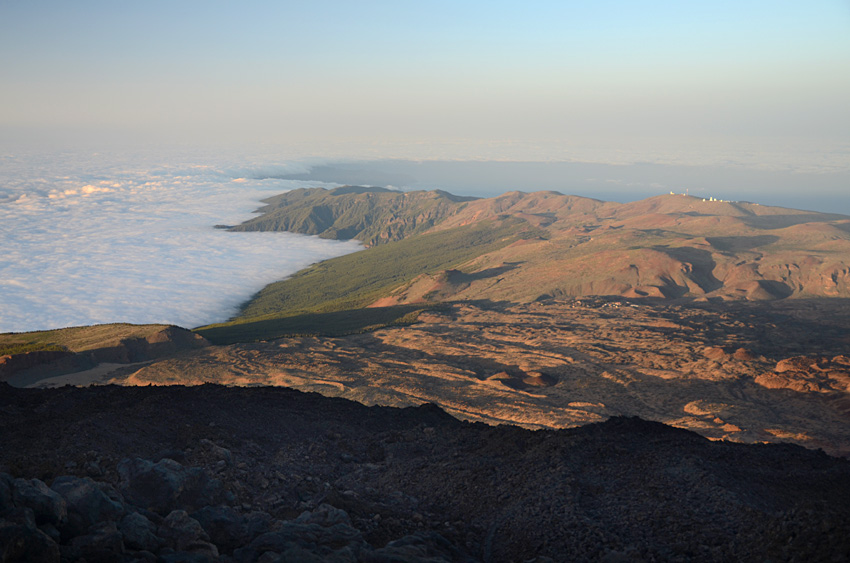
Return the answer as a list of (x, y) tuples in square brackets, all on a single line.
[(177, 455), (217, 452), (499, 493), (325, 515), (184, 533), (6, 482), (102, 543), (52, 532), (20, 540), (256, 523), (152, 486), (715, 353), (228, 529), (301, 555), (185, 557), (22, 516), (47, 506), (809, 375), (139, 533), (87, 502), (421, 547), (743, 354), (331, 539), (94, 469), (166, 485)]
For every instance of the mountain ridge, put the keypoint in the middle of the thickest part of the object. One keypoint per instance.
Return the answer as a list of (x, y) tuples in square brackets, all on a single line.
[(671, 246), (371, 215)]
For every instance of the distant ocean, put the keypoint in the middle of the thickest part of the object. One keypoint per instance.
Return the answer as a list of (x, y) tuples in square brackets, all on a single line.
[(100, 238)]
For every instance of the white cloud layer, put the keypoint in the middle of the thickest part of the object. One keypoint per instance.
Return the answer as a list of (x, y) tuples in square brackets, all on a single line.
[(98, 239)]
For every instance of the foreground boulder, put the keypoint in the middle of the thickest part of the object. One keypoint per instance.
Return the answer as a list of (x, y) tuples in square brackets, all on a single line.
[(88, 502), (98, 525), (166, 484), (310, 478)]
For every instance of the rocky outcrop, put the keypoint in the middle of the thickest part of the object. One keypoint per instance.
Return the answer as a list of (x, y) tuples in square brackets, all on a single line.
[(809, 375), (80, 519), (165, 511), (560, 363), (268, 474)]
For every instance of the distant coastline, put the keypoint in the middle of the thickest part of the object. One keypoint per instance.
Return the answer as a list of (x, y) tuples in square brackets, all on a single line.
[(824, 191)]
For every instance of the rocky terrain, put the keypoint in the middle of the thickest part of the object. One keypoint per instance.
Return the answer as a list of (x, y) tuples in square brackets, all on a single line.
[(32, 356), (271, 474), (731, 371), (563, 323)]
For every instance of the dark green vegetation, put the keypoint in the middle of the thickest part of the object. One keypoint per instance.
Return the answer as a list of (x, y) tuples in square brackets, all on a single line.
[(357, 279), (25, 347), (337, 323), (370, 215), (347, 285)]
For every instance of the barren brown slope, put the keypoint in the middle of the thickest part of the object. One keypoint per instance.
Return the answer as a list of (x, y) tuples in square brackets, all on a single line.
[(667, 246)]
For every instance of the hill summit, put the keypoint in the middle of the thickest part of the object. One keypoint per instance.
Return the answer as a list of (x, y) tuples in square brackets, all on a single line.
[(521, 247)]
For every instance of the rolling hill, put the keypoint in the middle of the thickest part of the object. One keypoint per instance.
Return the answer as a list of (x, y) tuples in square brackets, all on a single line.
[(431, 247)]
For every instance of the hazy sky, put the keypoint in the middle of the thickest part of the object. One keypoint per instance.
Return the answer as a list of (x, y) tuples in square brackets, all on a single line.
[(555, 80)]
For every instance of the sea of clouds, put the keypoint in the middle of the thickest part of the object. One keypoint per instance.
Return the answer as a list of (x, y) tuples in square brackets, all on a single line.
[(94, 238)]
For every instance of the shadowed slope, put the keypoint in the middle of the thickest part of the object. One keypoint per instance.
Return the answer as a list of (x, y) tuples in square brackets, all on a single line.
[(624, 489)]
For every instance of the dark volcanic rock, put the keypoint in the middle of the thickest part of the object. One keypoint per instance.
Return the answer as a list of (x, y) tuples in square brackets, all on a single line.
[(140, 533), (6, 484), (20, 540), (313, 478), (103, 542), (185, 534), (165, 484), (47, 506), (87, 502), (419, 547), (228, 529)]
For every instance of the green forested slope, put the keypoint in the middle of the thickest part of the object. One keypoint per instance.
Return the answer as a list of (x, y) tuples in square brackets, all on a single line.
[(370, 215)]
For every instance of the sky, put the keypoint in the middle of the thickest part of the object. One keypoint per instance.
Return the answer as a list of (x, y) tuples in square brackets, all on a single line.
[(751, 83), (128, 129)]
